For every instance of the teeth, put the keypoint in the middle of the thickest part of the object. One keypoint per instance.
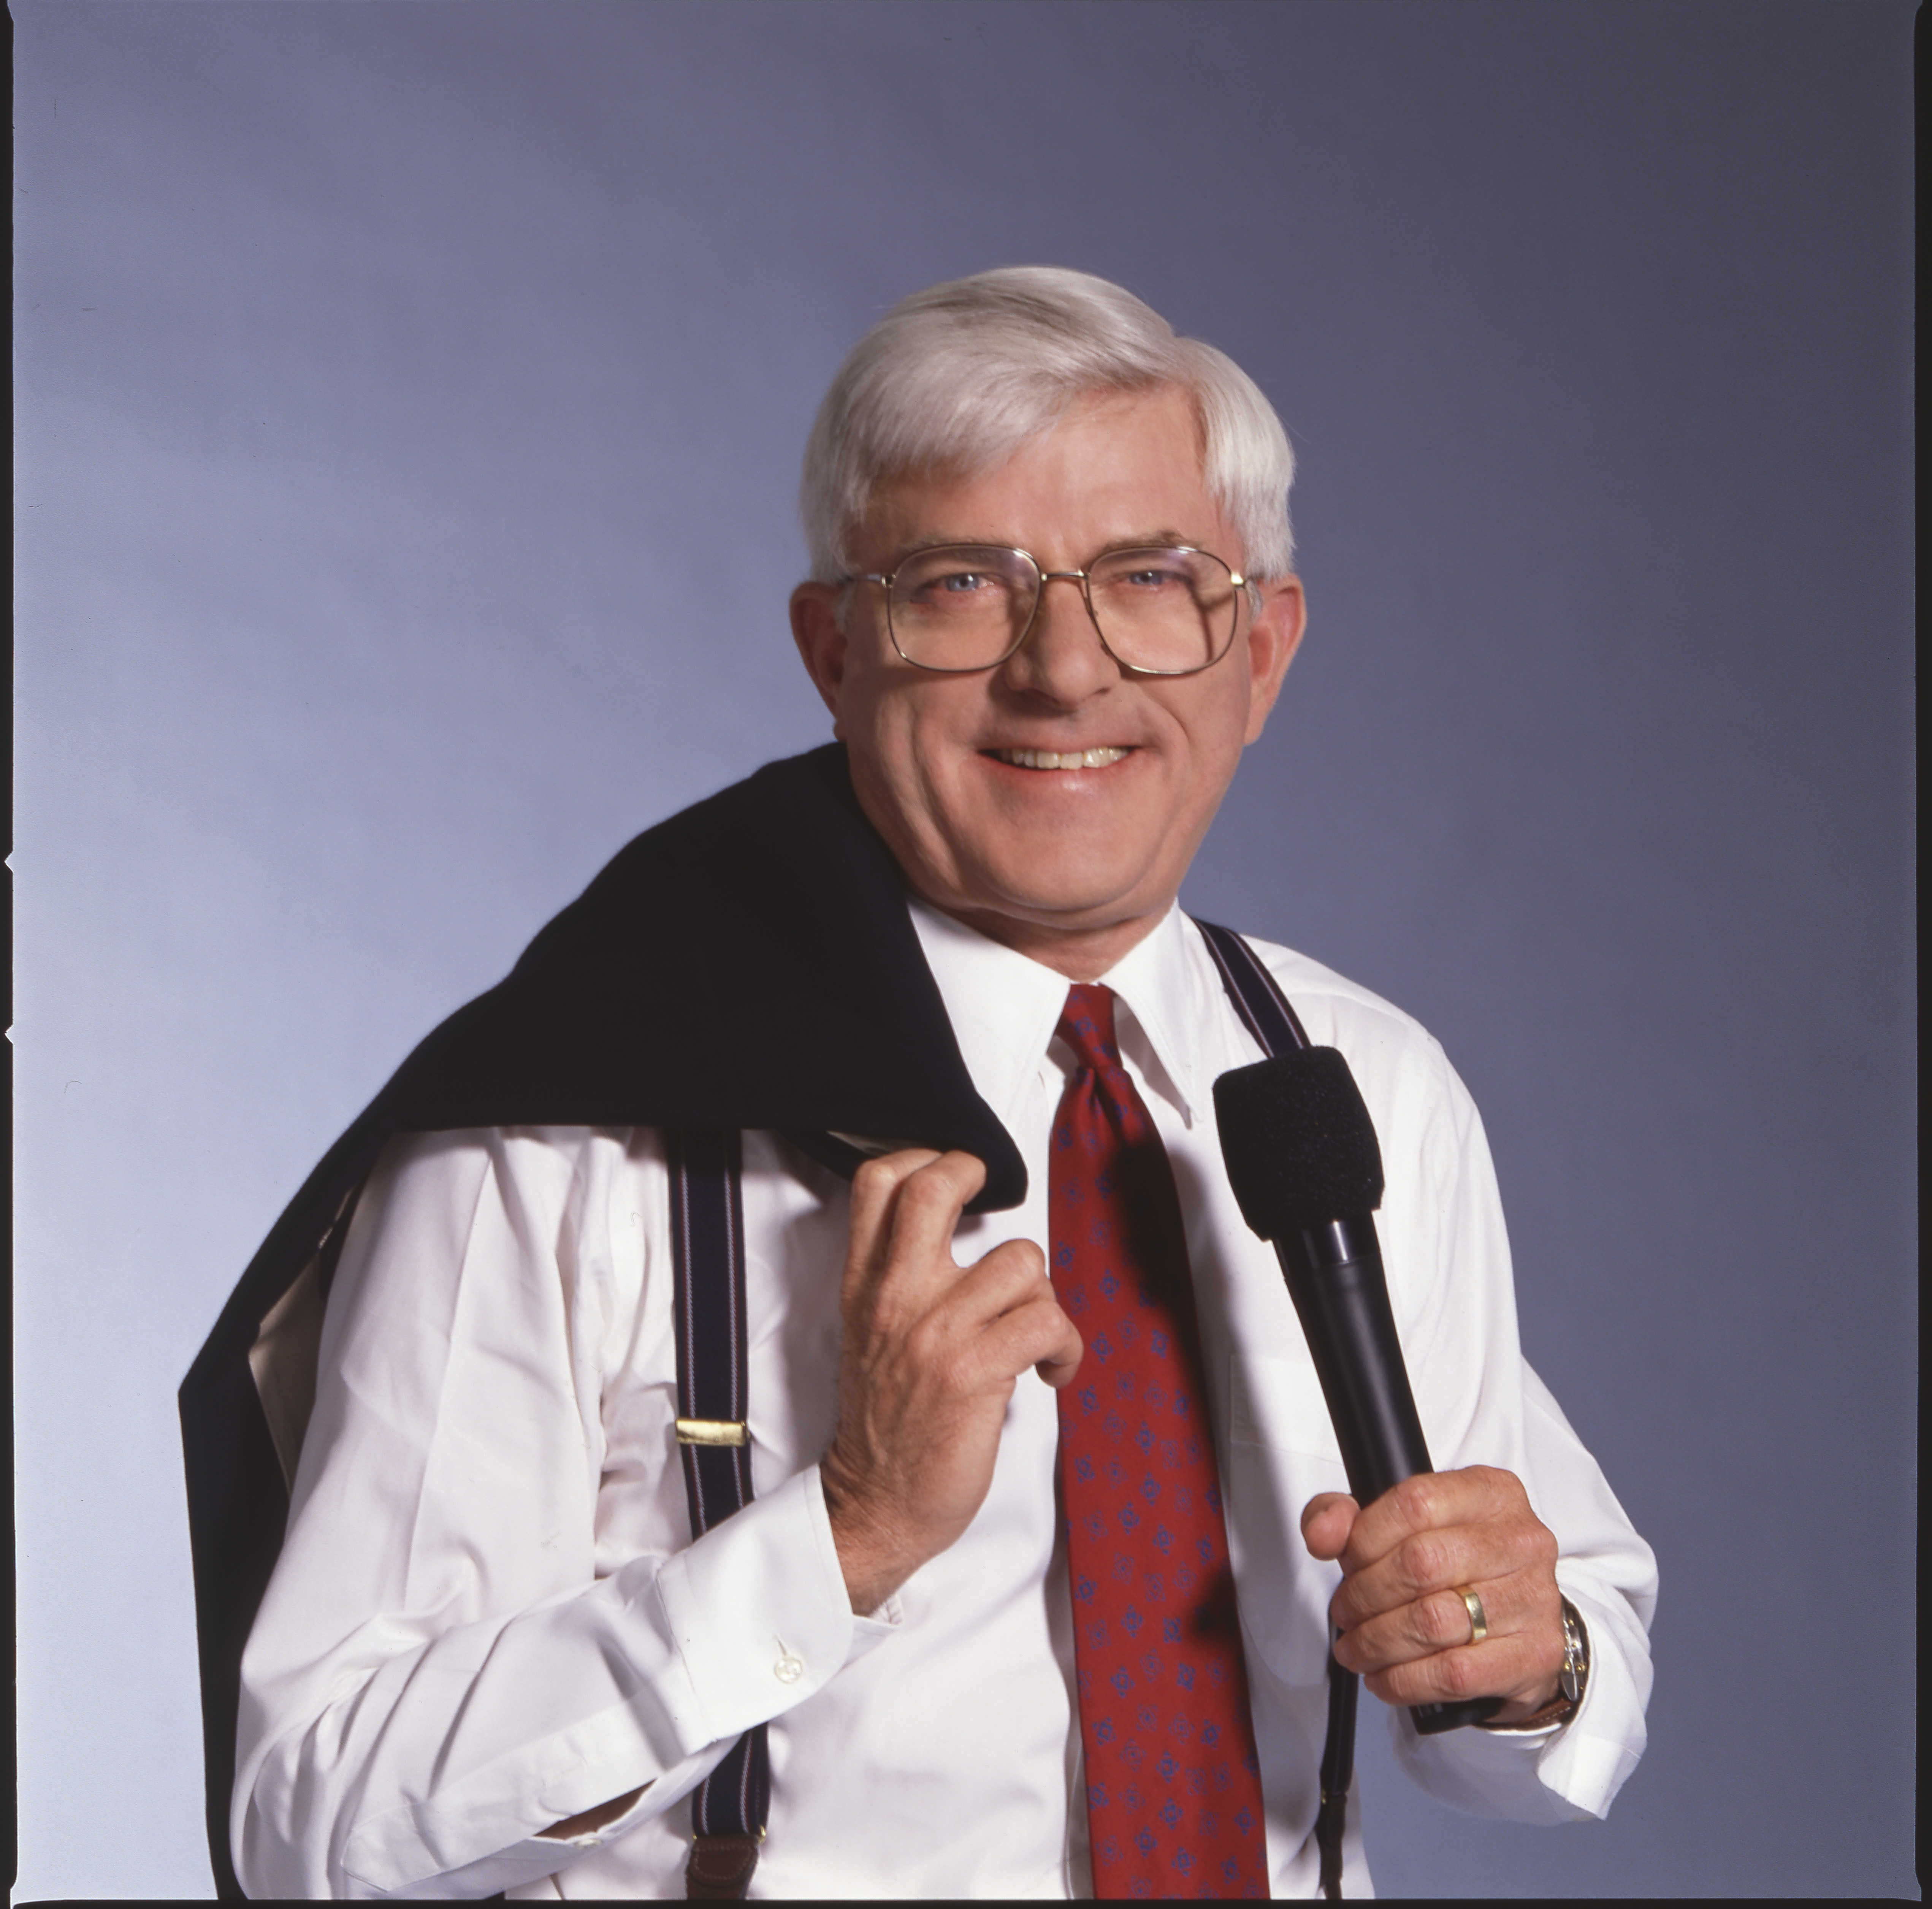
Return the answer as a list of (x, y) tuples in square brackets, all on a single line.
[(1073, 759)]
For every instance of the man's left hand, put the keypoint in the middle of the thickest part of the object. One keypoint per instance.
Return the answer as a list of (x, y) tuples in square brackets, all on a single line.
[(1405, 1561)]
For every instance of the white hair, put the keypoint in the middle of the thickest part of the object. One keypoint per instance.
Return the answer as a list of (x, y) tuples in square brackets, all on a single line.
[(957, 378)]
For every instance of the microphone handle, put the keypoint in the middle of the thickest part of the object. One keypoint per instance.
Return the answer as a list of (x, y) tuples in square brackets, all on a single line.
[(1335, 1277)]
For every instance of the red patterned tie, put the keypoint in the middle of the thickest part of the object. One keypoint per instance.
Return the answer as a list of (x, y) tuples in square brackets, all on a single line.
[(1174, 1798)]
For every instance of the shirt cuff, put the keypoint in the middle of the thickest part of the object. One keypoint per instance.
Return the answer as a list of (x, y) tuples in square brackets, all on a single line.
[(1586, 1761), (758, 1611), (750, 1620)]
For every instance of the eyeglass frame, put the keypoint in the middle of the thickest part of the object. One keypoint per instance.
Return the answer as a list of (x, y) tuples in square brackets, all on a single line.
[(1243, 585)]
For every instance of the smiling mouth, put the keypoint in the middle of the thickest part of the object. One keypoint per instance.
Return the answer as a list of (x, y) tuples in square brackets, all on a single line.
[(1068, 759)]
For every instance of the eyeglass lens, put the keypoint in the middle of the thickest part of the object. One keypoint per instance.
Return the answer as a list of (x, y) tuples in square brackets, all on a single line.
[(967, 606)]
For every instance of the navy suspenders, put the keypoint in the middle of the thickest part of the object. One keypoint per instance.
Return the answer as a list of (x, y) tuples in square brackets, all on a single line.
[(728, 1810), (1262, 1006), (707, 1232)]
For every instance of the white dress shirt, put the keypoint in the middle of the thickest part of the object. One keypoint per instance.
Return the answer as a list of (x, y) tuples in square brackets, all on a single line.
[(489, 1614)]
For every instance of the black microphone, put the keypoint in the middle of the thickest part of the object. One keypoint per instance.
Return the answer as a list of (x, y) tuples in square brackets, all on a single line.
[(1302, 1158)]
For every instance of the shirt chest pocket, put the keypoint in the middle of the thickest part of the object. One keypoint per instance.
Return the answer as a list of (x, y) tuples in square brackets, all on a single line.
[(1281, 1451), (1276, 1404)]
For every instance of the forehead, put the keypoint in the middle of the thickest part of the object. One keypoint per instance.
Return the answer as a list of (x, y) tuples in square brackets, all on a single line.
[(1115, 468)]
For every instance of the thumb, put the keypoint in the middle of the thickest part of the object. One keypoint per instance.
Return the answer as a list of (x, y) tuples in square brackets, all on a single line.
[(1326, 1523)]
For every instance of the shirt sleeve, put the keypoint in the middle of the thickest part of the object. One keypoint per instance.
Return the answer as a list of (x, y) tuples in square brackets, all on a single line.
[(448, 1660), (1452, 1285)]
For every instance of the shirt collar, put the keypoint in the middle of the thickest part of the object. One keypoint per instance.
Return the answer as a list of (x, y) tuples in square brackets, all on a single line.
[(1159, 982), (1004, 1006)]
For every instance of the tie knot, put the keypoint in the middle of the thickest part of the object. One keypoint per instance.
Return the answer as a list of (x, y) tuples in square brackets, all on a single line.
[(1087, 1027)]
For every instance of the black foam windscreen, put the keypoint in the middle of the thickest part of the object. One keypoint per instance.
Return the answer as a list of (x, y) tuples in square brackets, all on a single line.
[(1298, 1141)]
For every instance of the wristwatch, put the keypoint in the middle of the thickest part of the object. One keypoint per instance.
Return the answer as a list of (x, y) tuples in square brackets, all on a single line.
[(1571, 1680), (1576, 1671)]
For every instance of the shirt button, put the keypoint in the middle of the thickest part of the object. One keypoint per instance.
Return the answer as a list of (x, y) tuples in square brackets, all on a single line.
[(788, 1669)]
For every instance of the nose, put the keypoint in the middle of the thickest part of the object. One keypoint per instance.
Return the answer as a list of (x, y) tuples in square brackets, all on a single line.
[(1062, 660)]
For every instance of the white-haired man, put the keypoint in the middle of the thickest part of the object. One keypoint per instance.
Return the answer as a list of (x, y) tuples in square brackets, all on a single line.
[(1039, 1528)]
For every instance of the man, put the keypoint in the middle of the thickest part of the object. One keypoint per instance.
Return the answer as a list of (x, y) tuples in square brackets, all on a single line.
[(1033, 1593)]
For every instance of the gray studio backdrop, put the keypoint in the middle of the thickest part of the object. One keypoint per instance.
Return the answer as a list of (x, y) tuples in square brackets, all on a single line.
[(410, 398)]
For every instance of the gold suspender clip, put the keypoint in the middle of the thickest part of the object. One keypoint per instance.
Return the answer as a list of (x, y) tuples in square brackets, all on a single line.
[(711, 1431)]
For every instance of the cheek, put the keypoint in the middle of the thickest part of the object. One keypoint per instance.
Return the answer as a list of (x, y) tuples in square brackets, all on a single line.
[(873, 720), (903, 738), (1215, 729), (903, 766)]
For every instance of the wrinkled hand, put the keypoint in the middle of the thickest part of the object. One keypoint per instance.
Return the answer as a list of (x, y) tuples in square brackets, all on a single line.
[(931, 1353), (1404, 1624)]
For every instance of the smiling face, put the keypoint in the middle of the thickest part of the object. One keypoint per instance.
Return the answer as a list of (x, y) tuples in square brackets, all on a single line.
[(1054, 802)]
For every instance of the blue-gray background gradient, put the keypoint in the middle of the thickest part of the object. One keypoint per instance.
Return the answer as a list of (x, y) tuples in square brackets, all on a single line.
[(410, 401)]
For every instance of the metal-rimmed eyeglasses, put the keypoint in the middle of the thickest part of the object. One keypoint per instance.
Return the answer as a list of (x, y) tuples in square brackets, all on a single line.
[(1158, 609)]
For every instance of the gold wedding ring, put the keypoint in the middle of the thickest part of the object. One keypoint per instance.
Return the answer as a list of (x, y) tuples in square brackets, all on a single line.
[(1479, 1624)]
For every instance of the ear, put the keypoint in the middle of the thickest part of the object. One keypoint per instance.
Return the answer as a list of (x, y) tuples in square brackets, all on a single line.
[(822, 644), (1273, 637)]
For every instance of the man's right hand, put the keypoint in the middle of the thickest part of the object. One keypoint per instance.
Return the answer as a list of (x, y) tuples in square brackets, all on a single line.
[(931, 1353)]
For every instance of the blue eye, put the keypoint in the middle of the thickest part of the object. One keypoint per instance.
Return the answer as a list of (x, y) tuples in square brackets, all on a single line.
[(966, 592)]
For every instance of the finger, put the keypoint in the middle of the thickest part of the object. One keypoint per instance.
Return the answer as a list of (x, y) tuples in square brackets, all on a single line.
[(1424, 1627), (1038, 1334), (926, 1209), (875, 1188), (1431, 1501), (1326, 1522), (901, 1229), (1517, 1550), (1012, 1278), (1447, 1677), (1517, 1669), (1013, 1273), (1424, 1562), (1060, 1365), (1526, 1605)]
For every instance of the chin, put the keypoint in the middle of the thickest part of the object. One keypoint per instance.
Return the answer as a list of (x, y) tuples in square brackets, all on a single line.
[(1046, 897)]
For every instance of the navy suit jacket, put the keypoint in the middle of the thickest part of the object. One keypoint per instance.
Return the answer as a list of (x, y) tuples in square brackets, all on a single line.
[(748, 963)]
